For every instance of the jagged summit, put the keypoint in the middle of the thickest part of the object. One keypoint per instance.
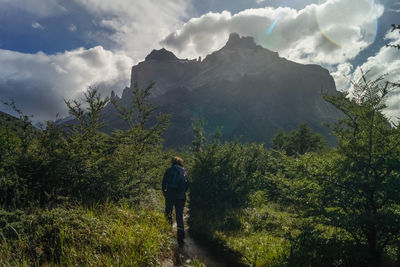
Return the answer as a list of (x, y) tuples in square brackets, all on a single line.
[(161, 55), (114, 96), (235, 41), (247, 89)]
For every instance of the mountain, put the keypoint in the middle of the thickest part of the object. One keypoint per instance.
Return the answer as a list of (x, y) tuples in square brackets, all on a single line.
[(247, 89), (10, 122)]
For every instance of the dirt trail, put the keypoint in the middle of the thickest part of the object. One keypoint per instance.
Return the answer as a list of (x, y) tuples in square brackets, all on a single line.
[(192, 249)]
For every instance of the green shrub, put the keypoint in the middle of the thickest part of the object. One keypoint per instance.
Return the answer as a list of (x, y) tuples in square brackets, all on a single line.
[(80, 162), (299, 141)]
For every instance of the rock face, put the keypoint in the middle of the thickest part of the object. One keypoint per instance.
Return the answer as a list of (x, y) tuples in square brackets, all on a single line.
[(161, 55), (249, 90)]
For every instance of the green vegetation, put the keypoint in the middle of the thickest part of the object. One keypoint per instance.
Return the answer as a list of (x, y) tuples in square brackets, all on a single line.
[(299, 141), (301, 203), (78, 196), (358, 185), (82, 163), (107, 235)]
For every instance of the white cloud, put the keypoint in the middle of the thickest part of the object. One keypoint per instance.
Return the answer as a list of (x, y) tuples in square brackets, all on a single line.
[(329, 33), (134, 28), (37, 26), (342, 76), (137, 27), (39, 82), (130, 30), (385, 62)]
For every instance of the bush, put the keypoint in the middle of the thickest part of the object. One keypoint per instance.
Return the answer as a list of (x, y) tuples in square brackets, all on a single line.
[(224, 175), (82, 163)]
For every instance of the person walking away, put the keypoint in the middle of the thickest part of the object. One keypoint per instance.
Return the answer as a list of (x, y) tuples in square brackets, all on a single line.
[(174, 186)]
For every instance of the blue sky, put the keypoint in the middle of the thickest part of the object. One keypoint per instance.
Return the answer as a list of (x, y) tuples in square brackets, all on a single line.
[(52, 50)]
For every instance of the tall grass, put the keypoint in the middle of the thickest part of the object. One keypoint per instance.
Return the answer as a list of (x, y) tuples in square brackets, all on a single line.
[(259, 248), (107, 235)]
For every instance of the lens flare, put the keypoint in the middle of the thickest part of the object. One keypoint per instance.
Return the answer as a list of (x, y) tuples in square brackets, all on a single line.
[(271, 28), (338, 21)]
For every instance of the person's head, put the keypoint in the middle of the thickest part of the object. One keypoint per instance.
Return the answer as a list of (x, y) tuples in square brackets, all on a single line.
[(177, 161)]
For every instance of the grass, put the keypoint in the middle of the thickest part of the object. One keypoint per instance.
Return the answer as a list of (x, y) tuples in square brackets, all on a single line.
[(107, 235), (262, 238), (258, 248), (259, 234), (197, 263)]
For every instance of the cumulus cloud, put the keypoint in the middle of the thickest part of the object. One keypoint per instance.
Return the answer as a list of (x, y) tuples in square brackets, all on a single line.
[(329, 33), (136, 27), (39, 82), (385, 62), (127, 31), (342, 76)]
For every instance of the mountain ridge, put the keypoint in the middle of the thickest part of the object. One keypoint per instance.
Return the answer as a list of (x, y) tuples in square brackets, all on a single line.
[(249, 90)]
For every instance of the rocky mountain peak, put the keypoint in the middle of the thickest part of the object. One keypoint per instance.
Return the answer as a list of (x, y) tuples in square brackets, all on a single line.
[(235, 41), (161, 55), (247, 89)]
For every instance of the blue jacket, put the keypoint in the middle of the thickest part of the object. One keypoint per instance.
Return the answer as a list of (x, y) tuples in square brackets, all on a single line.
[(175, 193)]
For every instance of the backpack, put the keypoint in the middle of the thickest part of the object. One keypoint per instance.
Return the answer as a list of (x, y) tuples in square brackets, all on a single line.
[(176, 178)]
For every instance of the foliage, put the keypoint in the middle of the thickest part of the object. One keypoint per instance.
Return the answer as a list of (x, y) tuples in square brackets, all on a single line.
[(299, 141), (302, 204), (105, 235), (359, 186), (225, 174), (81, 162), (197, 263), (11, 122), (141, 161), (259, 248), (11, 185), (299, 204), (227, 179), (42, 172)]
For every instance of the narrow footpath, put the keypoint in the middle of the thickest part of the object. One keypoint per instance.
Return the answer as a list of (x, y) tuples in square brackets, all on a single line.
[(192, 250)]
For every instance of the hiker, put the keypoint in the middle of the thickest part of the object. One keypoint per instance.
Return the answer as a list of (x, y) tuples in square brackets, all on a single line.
[(174, 187)]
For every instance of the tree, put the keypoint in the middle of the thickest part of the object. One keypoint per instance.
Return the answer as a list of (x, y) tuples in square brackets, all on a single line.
[(298, 142), (360, 183), (138, 115), (139, 147)]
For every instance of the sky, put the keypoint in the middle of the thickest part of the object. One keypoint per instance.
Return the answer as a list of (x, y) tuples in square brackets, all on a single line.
[(53, 50)]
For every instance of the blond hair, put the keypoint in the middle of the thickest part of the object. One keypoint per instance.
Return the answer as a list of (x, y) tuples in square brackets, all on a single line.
[(177, 161)]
